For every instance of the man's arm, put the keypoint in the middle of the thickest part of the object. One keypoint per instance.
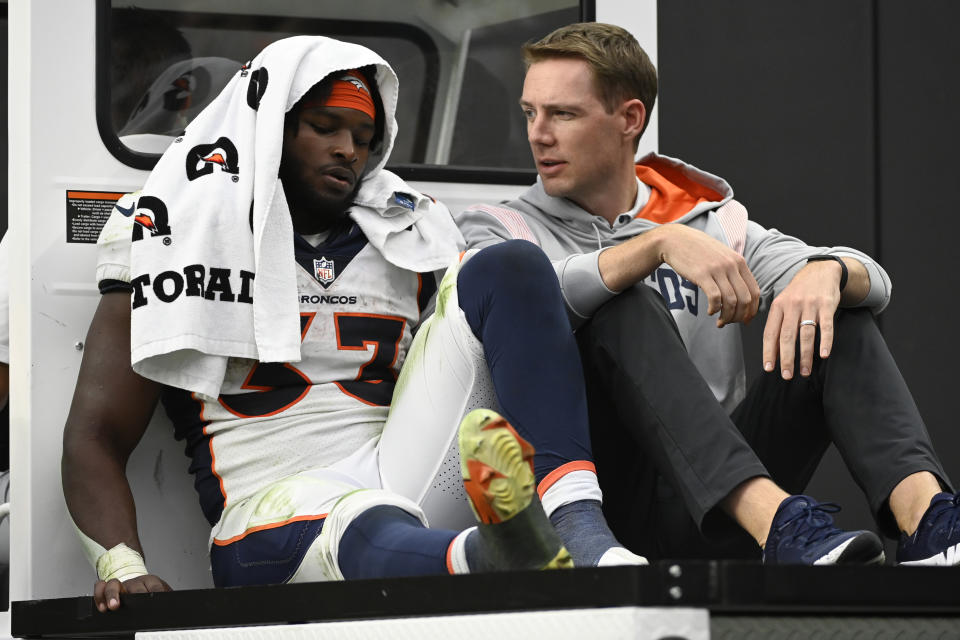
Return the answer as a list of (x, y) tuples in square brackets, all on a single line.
[(718, 270), (580, 283), (110, 411)]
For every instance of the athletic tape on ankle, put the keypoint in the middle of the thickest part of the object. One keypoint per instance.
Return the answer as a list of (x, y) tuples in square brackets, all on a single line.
[(120, 562), (579, 484)]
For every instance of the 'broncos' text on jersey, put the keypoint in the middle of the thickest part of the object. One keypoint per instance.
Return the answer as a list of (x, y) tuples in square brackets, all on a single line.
[(357, 317)]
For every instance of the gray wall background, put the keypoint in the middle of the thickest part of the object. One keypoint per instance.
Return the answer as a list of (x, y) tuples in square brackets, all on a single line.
[(834, 122)]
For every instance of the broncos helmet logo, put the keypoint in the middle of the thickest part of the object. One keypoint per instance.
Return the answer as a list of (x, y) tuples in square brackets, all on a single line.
[(150, 214), (203, 157), (189, 89)]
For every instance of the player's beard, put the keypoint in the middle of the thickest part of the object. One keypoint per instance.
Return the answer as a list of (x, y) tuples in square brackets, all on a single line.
[(312, 212)]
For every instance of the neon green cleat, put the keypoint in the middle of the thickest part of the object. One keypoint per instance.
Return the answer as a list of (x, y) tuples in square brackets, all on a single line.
[(497, 469)]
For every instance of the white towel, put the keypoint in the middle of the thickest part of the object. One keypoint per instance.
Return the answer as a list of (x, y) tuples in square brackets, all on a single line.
[(414, 233), (197, 223)]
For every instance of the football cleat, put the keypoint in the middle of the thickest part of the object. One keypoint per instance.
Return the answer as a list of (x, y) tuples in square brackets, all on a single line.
[(497, 469)]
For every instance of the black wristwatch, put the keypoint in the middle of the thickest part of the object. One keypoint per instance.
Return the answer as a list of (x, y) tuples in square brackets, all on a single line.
[(844, 274)]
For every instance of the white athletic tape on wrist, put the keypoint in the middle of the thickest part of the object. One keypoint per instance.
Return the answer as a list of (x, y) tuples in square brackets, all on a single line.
[(91, 548), (116, 563), (120, 562)]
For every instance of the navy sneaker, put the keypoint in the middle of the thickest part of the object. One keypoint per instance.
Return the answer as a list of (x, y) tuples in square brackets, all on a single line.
[(803, 533), (936, 541)]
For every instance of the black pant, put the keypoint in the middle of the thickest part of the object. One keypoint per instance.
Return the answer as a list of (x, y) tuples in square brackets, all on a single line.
[(667, 453)]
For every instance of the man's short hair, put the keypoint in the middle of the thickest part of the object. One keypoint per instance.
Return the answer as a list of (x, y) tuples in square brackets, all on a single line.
[(321, 91), (621, 68)]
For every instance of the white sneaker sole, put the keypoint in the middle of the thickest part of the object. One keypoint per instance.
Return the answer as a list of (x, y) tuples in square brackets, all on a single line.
[(834, 556), (947, 558)]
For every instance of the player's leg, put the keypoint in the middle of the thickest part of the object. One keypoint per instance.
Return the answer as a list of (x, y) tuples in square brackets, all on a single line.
[(374, 533), (512, 302), (269, 538), (446, 374), (443, 377), (317, 525)]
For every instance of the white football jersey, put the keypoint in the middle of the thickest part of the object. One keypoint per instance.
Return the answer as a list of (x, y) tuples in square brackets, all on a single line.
[(357, 316)]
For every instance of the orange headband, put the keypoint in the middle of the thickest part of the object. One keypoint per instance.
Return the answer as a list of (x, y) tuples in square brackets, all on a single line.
[(351, 90)]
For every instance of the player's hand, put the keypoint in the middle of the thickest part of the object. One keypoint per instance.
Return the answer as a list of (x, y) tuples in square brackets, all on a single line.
[(106, 595), (718, 270), (813, 294)]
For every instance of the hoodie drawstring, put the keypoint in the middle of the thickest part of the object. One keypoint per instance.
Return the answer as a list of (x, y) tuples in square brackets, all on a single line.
[(597, 231)]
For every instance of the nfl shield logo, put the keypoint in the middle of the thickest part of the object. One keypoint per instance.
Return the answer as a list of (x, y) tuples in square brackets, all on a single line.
[(323, 270)]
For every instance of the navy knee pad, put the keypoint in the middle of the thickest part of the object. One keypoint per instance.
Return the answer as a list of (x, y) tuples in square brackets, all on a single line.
[(514, 273)]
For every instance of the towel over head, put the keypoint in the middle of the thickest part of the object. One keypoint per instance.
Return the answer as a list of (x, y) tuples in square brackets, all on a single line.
[(213, 237)]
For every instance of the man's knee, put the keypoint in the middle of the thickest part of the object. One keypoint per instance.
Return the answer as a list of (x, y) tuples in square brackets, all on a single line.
[(514, 263), (856, 320), (638, 309), (515, 275), (322, 560), (855, 331)]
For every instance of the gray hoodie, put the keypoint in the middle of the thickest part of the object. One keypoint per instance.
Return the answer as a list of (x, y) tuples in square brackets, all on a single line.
[(574, 238)]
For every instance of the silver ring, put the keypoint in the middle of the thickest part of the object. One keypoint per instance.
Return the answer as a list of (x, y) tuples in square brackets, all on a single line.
[(811, 323)]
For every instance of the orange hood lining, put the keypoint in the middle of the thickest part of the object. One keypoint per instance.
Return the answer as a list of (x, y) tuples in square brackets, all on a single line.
[(672, 194)]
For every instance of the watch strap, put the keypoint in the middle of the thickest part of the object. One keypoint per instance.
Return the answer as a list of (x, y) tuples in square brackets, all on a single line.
[(844, 273)]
